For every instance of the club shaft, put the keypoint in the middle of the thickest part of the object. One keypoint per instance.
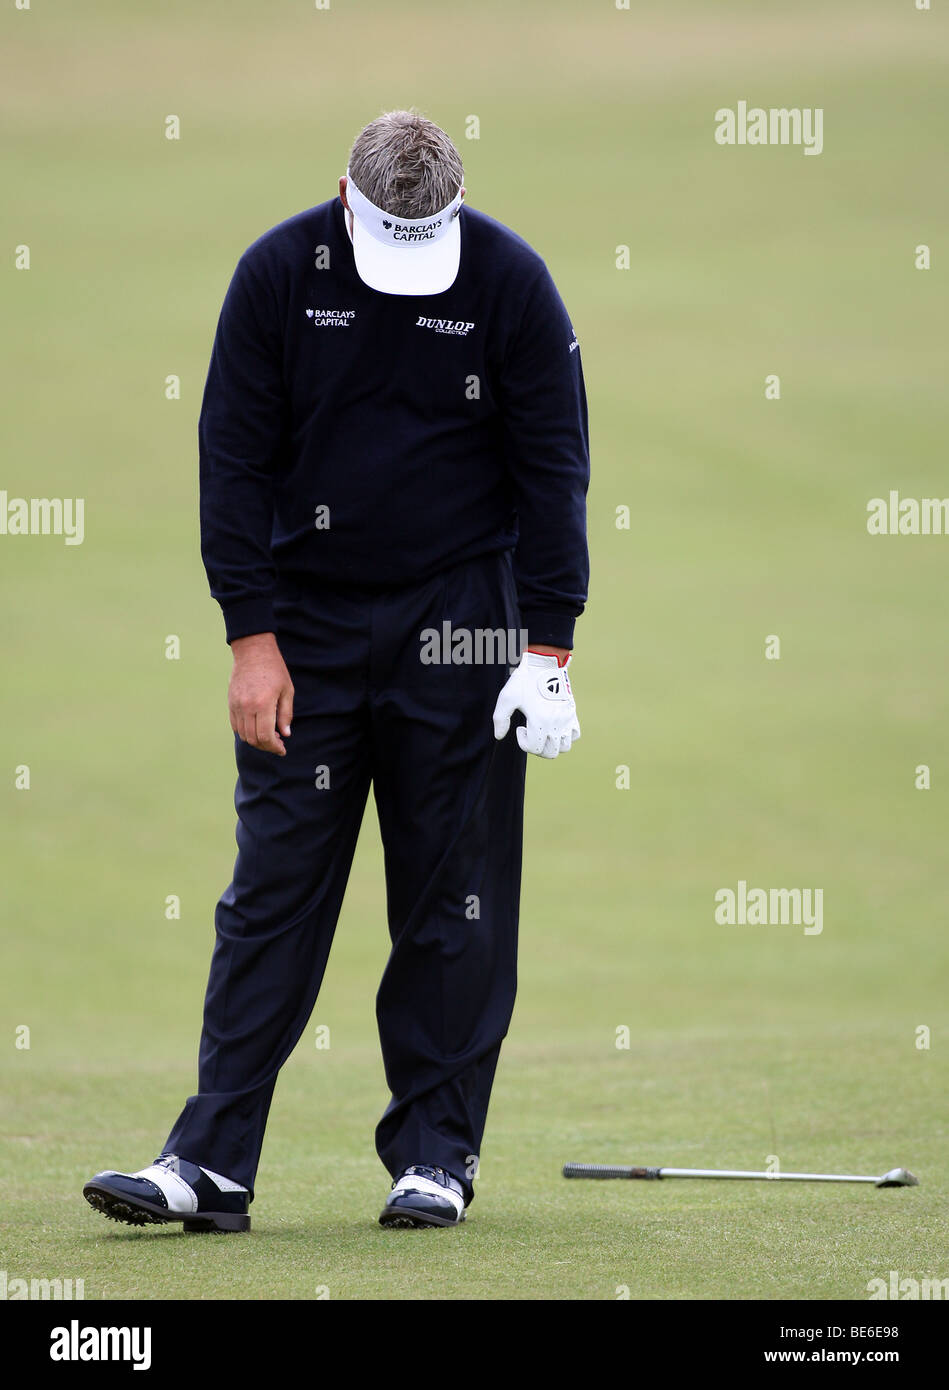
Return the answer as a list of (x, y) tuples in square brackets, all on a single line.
[(602, 1170), (767, 1177)]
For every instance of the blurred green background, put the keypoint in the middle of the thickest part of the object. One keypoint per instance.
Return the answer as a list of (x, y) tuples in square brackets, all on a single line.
[(747, 519)]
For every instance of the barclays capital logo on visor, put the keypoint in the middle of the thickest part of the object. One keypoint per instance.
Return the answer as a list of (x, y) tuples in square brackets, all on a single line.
[(412, 232)]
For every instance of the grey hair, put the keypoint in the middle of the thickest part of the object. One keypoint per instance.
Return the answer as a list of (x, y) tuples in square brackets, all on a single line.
[(406, 165)]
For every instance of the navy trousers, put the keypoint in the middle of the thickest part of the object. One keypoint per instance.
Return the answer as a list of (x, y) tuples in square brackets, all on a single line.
[(449, 797)]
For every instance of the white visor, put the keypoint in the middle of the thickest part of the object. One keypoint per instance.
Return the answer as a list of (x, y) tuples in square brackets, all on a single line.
[(400, 256)]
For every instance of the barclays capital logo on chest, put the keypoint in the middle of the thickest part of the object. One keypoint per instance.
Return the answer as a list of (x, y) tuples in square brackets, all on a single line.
[(331, 318)]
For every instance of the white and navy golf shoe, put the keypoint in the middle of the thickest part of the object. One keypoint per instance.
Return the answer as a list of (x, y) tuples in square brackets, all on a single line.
[(171, 1189), (423, 1196)]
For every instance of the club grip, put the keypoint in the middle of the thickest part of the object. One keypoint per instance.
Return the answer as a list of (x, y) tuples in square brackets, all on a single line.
[(606, 1170)]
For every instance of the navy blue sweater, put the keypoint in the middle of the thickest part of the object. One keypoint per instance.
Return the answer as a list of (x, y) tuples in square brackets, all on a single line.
[(353, 438)]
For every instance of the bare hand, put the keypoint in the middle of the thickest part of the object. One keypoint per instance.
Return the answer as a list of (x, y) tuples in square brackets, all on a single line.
[(260, 695)]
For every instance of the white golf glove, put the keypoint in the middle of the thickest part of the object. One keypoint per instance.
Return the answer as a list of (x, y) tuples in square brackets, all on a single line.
[(540, 689)]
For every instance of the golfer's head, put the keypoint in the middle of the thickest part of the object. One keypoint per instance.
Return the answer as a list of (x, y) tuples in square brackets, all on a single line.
[(402, 192)]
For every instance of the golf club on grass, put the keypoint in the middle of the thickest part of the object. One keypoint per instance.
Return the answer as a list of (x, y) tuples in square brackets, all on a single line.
[(896, 1177)]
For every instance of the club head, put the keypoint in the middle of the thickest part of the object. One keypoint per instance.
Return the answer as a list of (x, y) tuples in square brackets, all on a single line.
[(898, 1177)]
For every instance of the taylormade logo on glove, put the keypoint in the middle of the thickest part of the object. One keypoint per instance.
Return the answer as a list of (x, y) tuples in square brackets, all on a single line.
[(540, 688)]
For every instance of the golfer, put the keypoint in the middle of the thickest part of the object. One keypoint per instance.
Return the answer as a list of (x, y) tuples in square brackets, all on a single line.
[(394, 464)]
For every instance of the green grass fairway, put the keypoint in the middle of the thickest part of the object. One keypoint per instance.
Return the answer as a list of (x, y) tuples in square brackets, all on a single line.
[(747, 520)]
